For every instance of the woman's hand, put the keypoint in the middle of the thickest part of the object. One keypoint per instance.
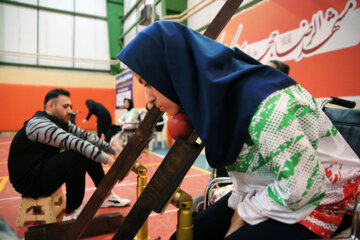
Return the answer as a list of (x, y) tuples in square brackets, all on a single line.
[(236, 222), (119, 122), (84, 121)]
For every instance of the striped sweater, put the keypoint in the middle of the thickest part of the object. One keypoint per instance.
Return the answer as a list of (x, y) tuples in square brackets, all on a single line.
[(42, 137)]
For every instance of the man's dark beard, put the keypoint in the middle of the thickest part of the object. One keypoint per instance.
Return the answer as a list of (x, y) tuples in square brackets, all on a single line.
[(61, 122)]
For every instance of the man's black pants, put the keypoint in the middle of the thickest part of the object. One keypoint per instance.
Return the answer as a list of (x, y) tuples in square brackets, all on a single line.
[(67, 167)]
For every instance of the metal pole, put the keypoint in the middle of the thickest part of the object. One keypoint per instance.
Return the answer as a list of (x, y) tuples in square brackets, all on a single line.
[(184, 228), (141, 184)]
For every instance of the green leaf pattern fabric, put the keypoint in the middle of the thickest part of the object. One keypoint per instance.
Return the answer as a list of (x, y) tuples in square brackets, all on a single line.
[(290, 168), (282, 131)]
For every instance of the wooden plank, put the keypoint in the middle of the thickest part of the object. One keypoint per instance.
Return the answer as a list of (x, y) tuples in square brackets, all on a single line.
[(118, 171), (222, 18), (102, 224), (161, 187)]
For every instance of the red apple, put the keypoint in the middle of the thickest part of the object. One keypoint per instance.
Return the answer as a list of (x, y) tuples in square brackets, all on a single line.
[(180, 126)]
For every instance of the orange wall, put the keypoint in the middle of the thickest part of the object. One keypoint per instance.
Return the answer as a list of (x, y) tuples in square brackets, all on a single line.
[(22, 93), (20, 102), (139, 95)]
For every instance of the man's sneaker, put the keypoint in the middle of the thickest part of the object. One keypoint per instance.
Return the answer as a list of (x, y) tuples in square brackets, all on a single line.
[(73, 215), (115, 201)]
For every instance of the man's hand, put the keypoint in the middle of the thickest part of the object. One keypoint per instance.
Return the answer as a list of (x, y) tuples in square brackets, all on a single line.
[(110, 161), (117, 153), (236, 222), (84, 121)]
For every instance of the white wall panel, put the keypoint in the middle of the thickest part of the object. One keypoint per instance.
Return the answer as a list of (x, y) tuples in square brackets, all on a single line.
[(9, 29), (28, 33), (67, 5), (27, 1), (158, 10), (102, 49), (93, 7), (18, 32), (55, 37), (54, 41), (128, 4), (91, 42), (206, 15), (130, 36), (130, 20)]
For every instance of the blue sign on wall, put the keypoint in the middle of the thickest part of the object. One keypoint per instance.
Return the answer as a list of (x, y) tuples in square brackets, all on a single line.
[(123, 88)]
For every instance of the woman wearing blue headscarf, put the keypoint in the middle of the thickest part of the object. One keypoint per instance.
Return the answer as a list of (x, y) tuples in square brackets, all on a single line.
[(258, 123)]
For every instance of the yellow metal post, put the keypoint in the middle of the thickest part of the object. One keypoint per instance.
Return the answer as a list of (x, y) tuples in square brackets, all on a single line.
[(141, 184), (184, 228)]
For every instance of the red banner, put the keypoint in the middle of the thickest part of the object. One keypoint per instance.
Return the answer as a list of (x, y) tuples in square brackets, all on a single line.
[(319, 40)]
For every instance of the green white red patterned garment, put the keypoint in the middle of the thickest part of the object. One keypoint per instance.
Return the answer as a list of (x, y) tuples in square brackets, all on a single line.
[(294, 166)]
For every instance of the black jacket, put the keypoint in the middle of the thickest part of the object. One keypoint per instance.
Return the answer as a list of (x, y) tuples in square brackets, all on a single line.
[(24, 154)]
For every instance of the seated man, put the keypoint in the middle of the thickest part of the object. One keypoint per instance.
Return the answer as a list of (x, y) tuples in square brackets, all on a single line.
[(49, 150)]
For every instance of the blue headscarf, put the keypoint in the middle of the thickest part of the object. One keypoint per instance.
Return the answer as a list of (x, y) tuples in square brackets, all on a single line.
[(218, 87)]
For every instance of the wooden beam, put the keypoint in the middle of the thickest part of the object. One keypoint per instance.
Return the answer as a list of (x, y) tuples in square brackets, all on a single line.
[(161, 187), (102, 224), (222, 18)]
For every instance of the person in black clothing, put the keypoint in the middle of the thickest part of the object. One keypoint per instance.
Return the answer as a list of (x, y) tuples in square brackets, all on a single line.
[(279, 65), (49, 150), (104, 121)]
